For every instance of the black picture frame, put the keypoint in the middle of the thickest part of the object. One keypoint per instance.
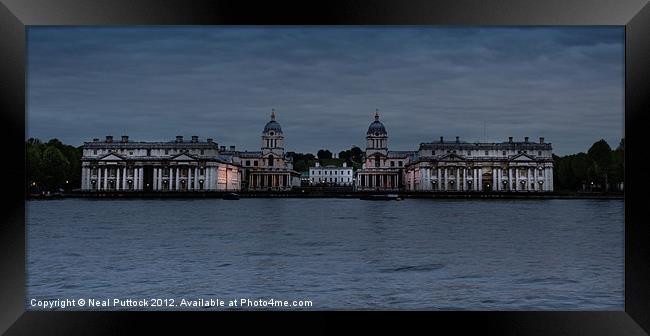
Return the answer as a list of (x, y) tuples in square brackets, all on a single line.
[(16, 15)]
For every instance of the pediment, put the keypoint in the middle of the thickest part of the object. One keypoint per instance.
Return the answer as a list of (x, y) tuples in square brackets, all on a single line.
[(451, 157), (112, 157), (183, 157), (522, 157)]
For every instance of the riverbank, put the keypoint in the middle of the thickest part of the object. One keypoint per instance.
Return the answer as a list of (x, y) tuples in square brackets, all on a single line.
[(335, 194)]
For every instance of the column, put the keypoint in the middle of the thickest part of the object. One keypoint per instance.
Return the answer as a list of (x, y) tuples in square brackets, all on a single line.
[(177, 178), (124, 185), (500, 179), (117, 178), (89, 178), (546, 186), (550, 177), (196, 178), (480, 179), (135, 178), (83, 178), (495, 186), (509, 179), (139, 176), (536, 177), (105, 178), (99, 178), (529, 178), (475, 178), (457, 179)]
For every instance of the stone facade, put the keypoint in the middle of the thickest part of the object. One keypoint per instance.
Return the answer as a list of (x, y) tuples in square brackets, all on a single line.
[(156, 166), (270, 168), (460, 166), (382, 169), (331, 175)]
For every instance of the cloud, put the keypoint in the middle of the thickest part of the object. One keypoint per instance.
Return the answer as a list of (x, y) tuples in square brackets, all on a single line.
[(565, 84)]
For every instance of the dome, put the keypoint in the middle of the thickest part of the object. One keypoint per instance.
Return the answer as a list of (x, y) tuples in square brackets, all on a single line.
[(376, 128), (273, 125)]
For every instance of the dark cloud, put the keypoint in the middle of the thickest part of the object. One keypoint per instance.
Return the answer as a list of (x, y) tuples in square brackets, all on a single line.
[(565, 84)]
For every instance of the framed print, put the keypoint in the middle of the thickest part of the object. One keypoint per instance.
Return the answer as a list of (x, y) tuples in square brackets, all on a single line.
[(445, 162)]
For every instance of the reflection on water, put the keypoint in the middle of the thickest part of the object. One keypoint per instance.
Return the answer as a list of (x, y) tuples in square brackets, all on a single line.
[(339, 253)]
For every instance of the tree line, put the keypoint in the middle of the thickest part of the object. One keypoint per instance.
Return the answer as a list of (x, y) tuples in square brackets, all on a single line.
[(52, 166), (600, 169)]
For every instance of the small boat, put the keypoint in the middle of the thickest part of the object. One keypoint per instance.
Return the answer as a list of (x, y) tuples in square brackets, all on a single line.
[(231, 196), (381, 197)]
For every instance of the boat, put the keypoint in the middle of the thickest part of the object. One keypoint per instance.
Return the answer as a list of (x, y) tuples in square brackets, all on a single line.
[(381, 197), (231, 196)]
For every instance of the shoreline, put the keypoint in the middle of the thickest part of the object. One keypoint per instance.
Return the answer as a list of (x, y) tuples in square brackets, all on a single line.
[(332, 194)]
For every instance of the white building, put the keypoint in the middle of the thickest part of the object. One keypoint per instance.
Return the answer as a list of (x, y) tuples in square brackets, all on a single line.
[(270, 168), (331, 175), (156, 166), (382, 169), (460, 166)]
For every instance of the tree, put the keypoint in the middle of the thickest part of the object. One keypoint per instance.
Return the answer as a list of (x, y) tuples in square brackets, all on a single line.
[(34, 164), (324, 154), (356, 154), (601, 155), (54, 166)]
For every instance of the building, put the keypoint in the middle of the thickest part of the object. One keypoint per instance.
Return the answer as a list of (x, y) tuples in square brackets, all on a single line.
[(382, 169), (460, 166), (156, 166), (331, 175), (270, 168)]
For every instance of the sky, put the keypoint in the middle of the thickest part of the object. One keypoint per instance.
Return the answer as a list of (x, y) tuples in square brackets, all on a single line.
[(565, 84)]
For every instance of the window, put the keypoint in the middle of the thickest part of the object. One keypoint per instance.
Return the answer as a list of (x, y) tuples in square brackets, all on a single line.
[(469, 153), (392, 163), (270, 160), (148, 152), (487, 152), (504, 153), (202, 151), (454, 152), (248, 162), (166, 151), (94, 152), (130, 152), (525, 152), (255, 163), (539, 153), (433, 152), (400, 163)]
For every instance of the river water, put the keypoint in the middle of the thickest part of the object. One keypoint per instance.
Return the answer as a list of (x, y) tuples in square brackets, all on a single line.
[(336, 253)]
